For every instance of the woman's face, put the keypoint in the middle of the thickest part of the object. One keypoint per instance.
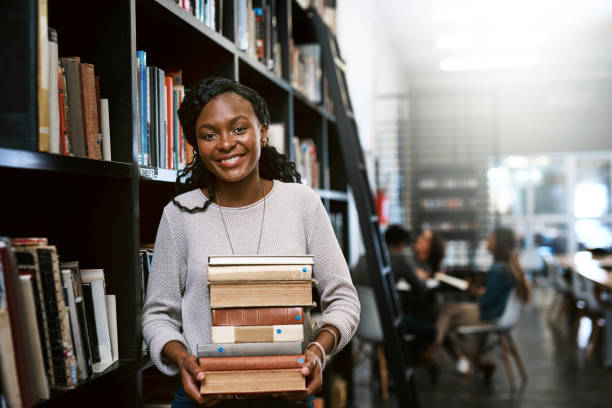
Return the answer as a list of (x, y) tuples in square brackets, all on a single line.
[(230, 137), (422, 244)]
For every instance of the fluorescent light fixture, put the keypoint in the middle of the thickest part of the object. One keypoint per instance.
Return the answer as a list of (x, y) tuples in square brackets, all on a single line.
[(463, 42), (489, 62)]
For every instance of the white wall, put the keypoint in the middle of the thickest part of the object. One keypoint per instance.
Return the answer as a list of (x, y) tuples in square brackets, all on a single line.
[(373, 73)]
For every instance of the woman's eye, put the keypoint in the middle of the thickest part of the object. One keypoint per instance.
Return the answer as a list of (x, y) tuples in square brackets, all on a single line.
[(207, 136), (240, 130)]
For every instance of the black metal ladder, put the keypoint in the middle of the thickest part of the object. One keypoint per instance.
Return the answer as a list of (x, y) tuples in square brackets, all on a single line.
[(377, 259)]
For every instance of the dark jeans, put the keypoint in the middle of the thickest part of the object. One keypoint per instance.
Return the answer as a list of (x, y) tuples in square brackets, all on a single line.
[(424, 333), (182, 400)]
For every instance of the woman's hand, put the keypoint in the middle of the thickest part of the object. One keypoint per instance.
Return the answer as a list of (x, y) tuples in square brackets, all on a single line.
[(313, 371), (191, 376)]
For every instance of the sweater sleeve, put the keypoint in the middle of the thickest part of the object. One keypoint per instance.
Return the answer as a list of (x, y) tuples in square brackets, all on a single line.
[(497, 283), (161, 321), (339, 303)]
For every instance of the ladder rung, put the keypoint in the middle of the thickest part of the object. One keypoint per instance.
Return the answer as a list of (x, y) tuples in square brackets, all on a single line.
[(340, 64), (374, 218)]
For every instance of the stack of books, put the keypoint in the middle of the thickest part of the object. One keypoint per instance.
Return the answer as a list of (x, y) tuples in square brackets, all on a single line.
[(257, 307)]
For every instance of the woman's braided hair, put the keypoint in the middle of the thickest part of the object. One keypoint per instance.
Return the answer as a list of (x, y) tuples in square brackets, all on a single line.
[(272, 164)]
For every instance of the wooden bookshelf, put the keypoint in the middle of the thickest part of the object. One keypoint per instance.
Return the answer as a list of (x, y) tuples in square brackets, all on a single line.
[(99, 212)]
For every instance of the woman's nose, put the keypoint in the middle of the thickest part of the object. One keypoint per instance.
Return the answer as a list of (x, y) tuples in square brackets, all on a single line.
[(226, 141)]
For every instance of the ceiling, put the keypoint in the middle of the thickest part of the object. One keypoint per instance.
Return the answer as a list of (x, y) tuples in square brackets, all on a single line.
[(551, 36)]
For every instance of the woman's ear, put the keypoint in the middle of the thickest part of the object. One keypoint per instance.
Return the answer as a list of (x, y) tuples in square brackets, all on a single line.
[(264, 135)]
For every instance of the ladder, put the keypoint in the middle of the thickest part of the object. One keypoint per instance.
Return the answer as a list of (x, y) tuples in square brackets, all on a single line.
[(376, 255)]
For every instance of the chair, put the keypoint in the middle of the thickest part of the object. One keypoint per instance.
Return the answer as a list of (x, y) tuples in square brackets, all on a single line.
[(503, 328), (562, 298), (587, 305)]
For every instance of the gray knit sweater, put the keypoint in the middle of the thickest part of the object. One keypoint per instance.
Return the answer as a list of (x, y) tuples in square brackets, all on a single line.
[(177, 305)]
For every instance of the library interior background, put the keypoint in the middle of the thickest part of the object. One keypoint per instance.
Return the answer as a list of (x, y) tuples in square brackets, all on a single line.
[(462, 150)]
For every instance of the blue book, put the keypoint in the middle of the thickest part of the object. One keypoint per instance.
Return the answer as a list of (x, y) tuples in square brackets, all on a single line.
[(144, 101)]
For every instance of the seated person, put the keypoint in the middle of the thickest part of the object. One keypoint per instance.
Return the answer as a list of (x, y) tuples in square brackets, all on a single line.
[(504, 276), (429, 250), (397, 239)]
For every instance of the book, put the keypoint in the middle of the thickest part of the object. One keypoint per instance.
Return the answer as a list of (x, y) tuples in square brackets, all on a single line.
[(249, 349), (260, 260), (260, 294), (169, 118), (54, 119), (250, 363), (8, 365), (43, 77), (14, 303), (95, 278), (90, 322), (253, 381), (218, 273), (38, 375), (111, 311), (105, 129), (74, 323), (72, 67), (93, 145), (451, 280), (257, 334), (143, 102), (257, 316), (64, 118)]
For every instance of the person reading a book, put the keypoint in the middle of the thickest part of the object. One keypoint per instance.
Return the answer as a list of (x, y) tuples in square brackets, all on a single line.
[(238, 196), (504, 276), (429, 250)]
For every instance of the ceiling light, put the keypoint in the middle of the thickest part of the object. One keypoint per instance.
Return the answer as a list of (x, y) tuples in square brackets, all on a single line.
[(489, 62)]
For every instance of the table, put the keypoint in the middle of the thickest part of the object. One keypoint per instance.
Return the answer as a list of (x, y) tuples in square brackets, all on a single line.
[(593, 269)]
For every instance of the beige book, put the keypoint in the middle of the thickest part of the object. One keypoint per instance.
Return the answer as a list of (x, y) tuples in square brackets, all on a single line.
[(8, 365), (451, 280), (259, 272), (260, 294), (253, 381), (43, 77), (261, 260), (257, 334)]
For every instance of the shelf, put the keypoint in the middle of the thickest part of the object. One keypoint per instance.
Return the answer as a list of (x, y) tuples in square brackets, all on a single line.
[(157, 174), (261, 69), (26, 160), (313, 106), (332, 195), (118, 371)]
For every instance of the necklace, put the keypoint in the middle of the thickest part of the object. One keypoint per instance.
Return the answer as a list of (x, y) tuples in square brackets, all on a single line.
[(262, 219)]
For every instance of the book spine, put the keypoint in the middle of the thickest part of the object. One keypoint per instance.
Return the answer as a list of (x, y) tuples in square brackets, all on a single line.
[(144, 101), (8, 364), (64, 362), (249, 349), (43, 77), (260, 294), (54, 116), (253, 381), (257, 334), (62, 108), (169, 122), (251, 363), (111, 311), (263, 316), (87, 349), (74, 324), (105, 129), (90, 110), (75, 109), (101, 324), (259, 272), (90, 321)]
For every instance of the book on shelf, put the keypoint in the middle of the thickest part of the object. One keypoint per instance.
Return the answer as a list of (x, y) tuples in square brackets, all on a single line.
[(260, 294), (253, 381), (257, 30), (209, 12), (306, 161), (249, 349), (8, 364), (93, 145), (105, 129), (93, 280), (43, 77), (219, 273), (69, 295), (257, 316), (54, 118), (251, 363), (257, 334), (305, 68)]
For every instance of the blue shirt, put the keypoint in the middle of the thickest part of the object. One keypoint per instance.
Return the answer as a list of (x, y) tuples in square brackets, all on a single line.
[(499, 283)]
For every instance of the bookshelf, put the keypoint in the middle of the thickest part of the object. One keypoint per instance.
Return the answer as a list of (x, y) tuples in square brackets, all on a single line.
[(99, 212)]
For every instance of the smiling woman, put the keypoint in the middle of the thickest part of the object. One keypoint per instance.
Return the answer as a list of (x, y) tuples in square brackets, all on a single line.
[(239, 196)]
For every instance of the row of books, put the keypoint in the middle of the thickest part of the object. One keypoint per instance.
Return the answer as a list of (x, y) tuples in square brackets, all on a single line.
[(57, 325), (257, 305), (449, 183), (306, 161), (74, 118), (305, 68), (448, 203), (160, 135), (257, 30), (207, 11), (449, 226)]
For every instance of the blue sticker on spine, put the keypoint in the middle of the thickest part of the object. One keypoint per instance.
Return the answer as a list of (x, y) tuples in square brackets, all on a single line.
[(278, 331), (297, 317), (304, 269), (300, 360), (220, 349)]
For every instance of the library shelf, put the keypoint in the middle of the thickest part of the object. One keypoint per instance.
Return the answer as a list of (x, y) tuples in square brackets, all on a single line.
[(311, 105), (247, 61), (27, 160)]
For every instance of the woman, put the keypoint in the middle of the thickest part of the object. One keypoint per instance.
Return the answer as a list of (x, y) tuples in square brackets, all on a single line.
[(429, 251), (504, 276), (243, 198)]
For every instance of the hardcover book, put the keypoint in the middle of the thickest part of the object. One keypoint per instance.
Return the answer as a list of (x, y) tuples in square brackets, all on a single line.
[(260, 294), (258, 316), (249, 349), (257, 334), (95, 278), (250, 363), (260, 260), (253, 381), (218, 273)]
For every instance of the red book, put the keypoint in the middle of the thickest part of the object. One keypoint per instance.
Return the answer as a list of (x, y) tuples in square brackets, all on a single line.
[(259, 316), (169, 121), (251, 363)]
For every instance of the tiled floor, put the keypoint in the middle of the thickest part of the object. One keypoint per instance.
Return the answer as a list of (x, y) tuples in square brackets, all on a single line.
[(559, 374)]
